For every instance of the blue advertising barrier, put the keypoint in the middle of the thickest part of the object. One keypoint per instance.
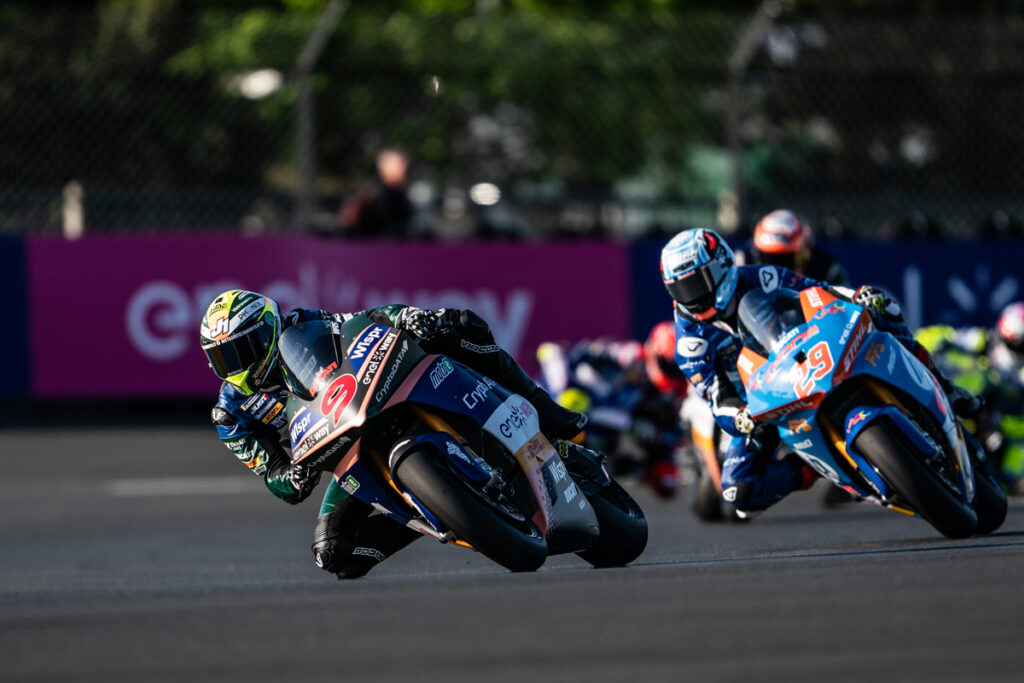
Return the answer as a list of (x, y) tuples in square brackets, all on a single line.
[(14, 340), (952, 283)]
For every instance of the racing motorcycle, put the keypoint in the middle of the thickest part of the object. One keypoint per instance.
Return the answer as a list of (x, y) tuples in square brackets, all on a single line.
[(861, 410), (706, 453), (447, 451)]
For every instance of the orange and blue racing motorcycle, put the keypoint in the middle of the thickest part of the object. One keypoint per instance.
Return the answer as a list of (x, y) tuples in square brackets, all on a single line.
[(447, 451), (863, 411)]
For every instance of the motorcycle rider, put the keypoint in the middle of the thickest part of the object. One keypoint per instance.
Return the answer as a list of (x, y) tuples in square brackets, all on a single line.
[(626, 387), (990, 362), (782, 238), (699, 271), (239, 334)]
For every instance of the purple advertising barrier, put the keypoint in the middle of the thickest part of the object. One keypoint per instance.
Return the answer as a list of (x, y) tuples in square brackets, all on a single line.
[(119, 316)]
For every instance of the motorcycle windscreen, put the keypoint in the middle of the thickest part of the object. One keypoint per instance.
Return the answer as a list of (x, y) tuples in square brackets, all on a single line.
[(310, 351), (766, 317)]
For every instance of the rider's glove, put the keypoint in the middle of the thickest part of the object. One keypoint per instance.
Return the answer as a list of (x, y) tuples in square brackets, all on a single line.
[(420, 322), (743, 421), (303, 478), (877, 303)]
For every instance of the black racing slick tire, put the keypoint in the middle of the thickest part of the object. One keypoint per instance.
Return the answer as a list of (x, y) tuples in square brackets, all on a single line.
[(516, 545), (989, 501), (623, 528), (707, 500), (918, 486)]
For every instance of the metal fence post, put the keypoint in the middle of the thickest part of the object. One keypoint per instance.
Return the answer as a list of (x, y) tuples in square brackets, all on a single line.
[(743, 53), (305, 200)]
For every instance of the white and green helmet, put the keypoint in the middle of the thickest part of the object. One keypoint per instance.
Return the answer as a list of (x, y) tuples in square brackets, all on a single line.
[(239, 336)]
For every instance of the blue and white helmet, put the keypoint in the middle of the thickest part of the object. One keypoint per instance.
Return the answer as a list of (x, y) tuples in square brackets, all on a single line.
[(699, 271)]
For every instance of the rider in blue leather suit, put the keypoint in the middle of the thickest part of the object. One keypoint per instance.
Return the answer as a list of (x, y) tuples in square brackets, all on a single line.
[(700, 273)]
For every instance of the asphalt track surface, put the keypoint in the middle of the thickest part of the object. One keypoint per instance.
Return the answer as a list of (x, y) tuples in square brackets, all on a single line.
[(151, 555)]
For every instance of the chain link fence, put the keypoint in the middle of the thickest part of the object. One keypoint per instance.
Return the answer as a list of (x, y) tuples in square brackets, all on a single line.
[(146, 116)]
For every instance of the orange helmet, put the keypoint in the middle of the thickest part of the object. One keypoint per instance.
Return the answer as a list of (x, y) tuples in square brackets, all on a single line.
[(782, 239), (660, 359)]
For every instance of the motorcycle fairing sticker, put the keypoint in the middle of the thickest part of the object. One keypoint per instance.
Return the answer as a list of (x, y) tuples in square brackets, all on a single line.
[(363, 346), (514, 422)]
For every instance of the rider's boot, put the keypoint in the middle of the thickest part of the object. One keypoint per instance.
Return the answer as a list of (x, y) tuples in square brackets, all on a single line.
[(348, 542)]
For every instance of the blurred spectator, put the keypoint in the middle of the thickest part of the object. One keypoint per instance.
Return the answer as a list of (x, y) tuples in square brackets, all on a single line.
[(382, 207)]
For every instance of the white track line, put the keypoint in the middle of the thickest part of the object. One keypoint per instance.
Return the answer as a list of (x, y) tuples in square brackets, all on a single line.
[(179, 486)]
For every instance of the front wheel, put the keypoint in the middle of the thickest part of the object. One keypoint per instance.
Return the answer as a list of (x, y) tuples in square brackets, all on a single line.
[(915, 482), (623, 528), (516, 545)]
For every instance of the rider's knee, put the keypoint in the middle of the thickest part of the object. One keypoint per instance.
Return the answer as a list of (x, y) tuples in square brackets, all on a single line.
[(741, 494)]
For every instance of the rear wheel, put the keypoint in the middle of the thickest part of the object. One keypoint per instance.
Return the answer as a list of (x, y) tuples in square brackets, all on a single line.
[(707, 499), (917, 485), (989, 501), (623, 528), (515, 544)]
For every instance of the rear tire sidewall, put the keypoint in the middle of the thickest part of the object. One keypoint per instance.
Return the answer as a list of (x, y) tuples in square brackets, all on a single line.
[(623, 528), (990, 502)]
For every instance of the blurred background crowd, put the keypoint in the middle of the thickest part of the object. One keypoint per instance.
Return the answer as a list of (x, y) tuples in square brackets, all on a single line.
[(451, 119)]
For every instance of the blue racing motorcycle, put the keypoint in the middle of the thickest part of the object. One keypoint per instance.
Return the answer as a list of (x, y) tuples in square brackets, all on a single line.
[(861, 410)]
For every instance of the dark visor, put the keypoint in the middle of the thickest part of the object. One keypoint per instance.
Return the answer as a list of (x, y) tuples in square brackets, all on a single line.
[(785, 260), (238, 355), (695, 289)]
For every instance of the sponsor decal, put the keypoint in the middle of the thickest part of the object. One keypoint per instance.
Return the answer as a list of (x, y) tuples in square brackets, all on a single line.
[(440, 372), (341, 442), (798, 426), (369, 371), (369, 552), (850, 325), (514, 422), (892, 360), (273, 413), (806, 443), (518, 418), (691, 347), (475, 397), (874, 351), (337, 397), (321, 376), (769, 278), (300, 424), (856, 419), (814, 297), (160, 315), (370, 336), (476, 348), (350, 484), (802, 404), (386, 387), (456, 450)]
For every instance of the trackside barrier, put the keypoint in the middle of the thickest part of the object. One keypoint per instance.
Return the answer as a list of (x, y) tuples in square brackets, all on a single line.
[(14, 367), (118, 316)]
